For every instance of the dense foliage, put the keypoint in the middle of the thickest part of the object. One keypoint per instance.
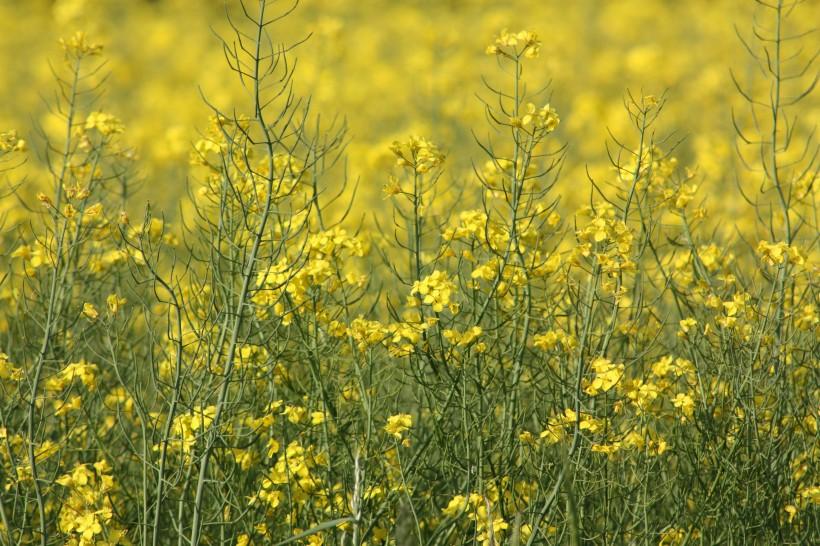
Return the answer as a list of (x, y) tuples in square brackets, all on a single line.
[(577, 312)]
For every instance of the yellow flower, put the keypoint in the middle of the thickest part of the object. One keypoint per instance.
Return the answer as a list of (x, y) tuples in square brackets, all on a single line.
[(650, 101), (398, 424), (672, 536), (92, 213), (272, 447), (106, 124), (642, 394), (552, 434), (392, 187), (515, 44), (9, 142), (78, 45), (526, 437), (63, 407), (114, 303), (687, 324), (607, 375), (436, 290), (685, 403), (810, 494), (90, 312), (551, 339), (456, 505), (545, 118), (807, 318), (417, 154), (7, 371), (792, 511), (88, 526), (778, 253), (607, 449), (295, 414)]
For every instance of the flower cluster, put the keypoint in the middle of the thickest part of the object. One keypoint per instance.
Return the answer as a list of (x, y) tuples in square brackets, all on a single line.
[(86, 517), (435, 290), (417, 154), (10, 142), (515, 44), (543, 119), (398, 424), (106, 124)]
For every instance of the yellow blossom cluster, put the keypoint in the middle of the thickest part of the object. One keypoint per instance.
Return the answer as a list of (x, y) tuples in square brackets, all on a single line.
[(105, 123), (544, 119), (606, 376), (86, 516), (435, 290), (417, 154), (515, 44), (778, 253), (398, 424), (10, 142)]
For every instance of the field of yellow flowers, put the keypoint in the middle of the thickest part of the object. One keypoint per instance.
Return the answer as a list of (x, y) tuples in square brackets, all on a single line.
[(419, 272)]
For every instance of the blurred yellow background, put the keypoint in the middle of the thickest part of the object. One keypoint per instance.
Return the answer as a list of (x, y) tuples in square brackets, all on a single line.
[(394, 68)]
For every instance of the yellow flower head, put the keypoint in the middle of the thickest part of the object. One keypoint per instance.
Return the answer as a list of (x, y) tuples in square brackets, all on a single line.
[(398, 424), (106, 124), (515, 44), (90, 312)]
